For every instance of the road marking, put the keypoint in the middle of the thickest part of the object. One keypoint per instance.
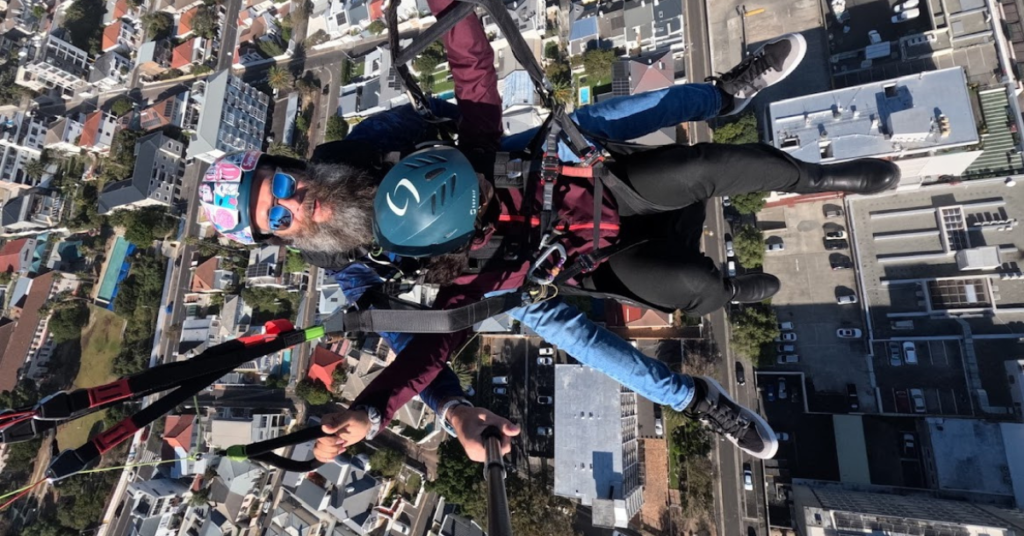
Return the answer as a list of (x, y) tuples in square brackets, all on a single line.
[(956, 407), (945, 355), (798, 265)]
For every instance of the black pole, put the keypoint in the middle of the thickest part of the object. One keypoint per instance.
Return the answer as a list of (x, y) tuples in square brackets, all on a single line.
[(499, 522)]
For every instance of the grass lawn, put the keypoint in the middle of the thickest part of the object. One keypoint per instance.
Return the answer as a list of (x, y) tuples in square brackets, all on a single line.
[(441, 84), (672, 421), (101, 342)]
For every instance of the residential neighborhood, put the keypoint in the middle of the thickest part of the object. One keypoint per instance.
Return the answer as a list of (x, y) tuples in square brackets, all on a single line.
[(888, 365)]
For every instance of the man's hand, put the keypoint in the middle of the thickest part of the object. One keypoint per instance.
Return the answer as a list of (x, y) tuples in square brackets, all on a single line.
[(470, 422), (346, 428)]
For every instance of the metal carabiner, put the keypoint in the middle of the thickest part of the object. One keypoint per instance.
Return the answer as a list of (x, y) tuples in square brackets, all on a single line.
[(553, 272)]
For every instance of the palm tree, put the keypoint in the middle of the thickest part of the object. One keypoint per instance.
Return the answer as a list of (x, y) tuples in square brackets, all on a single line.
[(279, 78), (563, 92)]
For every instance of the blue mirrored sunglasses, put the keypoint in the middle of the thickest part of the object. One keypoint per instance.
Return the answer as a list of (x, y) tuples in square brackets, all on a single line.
[(282, 186)]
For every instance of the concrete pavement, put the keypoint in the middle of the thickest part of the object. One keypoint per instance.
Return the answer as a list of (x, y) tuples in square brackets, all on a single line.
[(698, 59)]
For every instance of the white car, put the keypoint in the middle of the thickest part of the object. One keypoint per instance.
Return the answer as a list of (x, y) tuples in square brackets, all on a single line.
[(904, 16), (909, 4), (501, 391), (500, 380), (545, 361), (848, 333), (847, 300), (748, 478), (788, 359), (910, 353), (726, 202), (545, 431), (659, 429), (775, 246), (917, 396), (546, 350), (732, 268), (785, 326), (895, 357), (545, 400), (729, 252), (836, 235), (785, 348), (787, 336), (782, 389)]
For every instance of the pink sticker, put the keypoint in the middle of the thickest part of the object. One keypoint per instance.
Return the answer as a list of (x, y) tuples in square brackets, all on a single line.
[(250, 159), (224, 219), (223, 172)]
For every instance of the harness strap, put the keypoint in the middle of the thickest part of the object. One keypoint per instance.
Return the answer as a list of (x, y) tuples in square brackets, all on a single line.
[(418, 321), (589, 261)]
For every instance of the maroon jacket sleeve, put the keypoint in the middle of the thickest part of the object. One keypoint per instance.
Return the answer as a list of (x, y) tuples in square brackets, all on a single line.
[(471, 59)]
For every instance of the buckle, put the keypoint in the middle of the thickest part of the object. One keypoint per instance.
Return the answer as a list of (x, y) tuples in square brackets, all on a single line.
[(548, 275), (587, 263), (592, 157)]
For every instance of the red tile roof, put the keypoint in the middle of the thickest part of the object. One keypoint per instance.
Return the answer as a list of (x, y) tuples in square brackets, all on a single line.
[(185, 22), (91, 129), (203, 277), (120, 8), (10, 255), (376, 9), (7, 327), (177, 434), (13, 358), (110, 35), (635, 317), (324, 364), (183, 54)]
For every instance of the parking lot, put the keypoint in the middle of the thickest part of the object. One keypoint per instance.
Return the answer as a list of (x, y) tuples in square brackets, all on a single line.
[(809, 299), (894, 452), (809, 451), (939, 373), (515, 358)]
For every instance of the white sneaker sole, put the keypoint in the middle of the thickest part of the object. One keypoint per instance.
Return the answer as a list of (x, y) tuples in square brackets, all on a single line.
[(798, 53), (765, 431)]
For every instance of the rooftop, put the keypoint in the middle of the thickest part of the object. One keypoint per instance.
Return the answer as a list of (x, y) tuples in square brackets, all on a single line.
[(21, 339), (923, 112)]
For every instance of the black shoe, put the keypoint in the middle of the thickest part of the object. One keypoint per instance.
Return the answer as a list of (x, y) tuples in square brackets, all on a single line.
[(747, 430), (768, 65), (862, 176), (754, 288)]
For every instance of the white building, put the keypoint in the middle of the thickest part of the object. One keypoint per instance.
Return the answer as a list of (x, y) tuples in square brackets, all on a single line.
[(58, 66), (240, 426), (153, 506), (233, 117), (156, 179), (22, 139)]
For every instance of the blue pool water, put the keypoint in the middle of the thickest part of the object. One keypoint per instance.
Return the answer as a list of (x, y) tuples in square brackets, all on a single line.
[(584, 95), (447, 95)]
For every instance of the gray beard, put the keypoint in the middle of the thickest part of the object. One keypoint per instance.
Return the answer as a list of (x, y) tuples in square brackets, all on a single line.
[(349, 193)]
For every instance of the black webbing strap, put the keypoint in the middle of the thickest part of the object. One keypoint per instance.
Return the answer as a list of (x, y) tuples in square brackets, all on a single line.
[(441, 321), (549, 170), (264, 450), (589, 261)]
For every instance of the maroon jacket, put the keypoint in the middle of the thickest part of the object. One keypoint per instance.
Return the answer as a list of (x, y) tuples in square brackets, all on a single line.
[(476, 90)]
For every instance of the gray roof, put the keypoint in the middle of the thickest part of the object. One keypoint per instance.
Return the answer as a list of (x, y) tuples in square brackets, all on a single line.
[(370, 96), (518, 89), (138, 187), (455, 525), (205, 138), (893, 117), (638, 14), (668, 17), (147, 52), (357, 11), (348, 101), (611, 23), (14, 210)]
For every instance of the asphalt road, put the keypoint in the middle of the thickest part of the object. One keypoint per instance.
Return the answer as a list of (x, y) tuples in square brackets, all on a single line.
[(698, 60), (228, 35)]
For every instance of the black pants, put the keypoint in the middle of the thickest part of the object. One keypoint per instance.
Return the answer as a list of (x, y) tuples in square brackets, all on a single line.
[(673, 184)]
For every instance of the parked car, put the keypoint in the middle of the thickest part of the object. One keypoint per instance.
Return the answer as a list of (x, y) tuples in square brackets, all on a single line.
[(782, 436), (917, 396), (731, 268), (835, 235), (848, 333), (748, 478), (726, 202), (834, 213), (545, 400), (775, 246), (904, 16), (769, 392), (659, 428), (788, 359), (785, 326), (908, 443), (741, 376), (500, 391), (787, 336), (500, 380), (782, 389), (545, 361), (844, 264), (546, 350), (785, 348), (729, 252), (910, 353), (834, 245), (895, 355), (846, 300), (545, 431), (851, 392), (902, 402)]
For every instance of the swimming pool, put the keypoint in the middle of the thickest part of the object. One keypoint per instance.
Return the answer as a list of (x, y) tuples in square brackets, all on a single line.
[(584, 95), (447, 95)]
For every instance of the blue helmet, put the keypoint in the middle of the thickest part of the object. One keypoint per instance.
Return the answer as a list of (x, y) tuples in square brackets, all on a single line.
[(427, 203)]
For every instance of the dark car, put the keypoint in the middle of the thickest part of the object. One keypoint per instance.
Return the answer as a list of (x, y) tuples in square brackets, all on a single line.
[(841, 265), (833, 245), (741, 376), (851, 390)]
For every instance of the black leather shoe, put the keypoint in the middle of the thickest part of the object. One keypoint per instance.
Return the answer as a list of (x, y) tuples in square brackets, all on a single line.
[(863, 176), (754, 288)]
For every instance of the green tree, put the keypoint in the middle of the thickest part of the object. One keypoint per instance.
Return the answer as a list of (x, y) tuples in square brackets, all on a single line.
[(535, 511), (337, 128), (753, 328), (157, 24), (35, 168), (25, 392), (313, 392), (200, 498), (558, 73), (67, 321), (45, 527), (280, 149), (202, 69), (552, 51), (279, 78), (338, 380), (386, 462), (377, 27), (83, 21), (430, 58), (748, 203), (144, 225), (426, 80), (749, 246), (269, 48), (318, 37), (294, 263), (121, 106), (598, 63), (39, 11), (563, 92), (205, 22), (458, 480), (276, 381), (741, 130)]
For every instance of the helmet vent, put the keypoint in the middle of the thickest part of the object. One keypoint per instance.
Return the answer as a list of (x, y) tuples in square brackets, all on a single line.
[(433, 204), (443, 192), (451, 183), (432, 174)]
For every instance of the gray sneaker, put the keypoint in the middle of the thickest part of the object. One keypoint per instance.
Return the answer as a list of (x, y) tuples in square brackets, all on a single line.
[(744, 428), (768, 65)]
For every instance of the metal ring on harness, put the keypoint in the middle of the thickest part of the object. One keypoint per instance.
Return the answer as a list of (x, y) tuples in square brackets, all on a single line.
[(553, 272)]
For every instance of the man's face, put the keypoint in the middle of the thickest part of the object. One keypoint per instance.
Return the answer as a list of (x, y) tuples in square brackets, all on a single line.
[(332, 207)]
